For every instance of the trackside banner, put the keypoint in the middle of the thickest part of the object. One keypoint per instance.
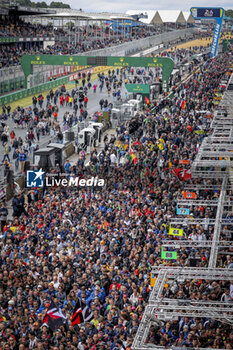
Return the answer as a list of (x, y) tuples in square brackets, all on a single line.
[(215, 13), (216, 37)]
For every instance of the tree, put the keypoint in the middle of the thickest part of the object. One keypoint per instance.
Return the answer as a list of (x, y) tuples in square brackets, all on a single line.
[(229, 13), (26, 3), (69, 24), (41, 4), (58, 4)]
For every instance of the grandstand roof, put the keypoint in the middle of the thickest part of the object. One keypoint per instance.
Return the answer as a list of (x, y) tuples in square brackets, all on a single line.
[(103, 16), (109, 16), (64, 14), (24, 11)]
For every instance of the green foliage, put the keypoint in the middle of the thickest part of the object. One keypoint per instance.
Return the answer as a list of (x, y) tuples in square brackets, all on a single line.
[(24, 2), (229, 13), (69, 24), (42, 4), (58, 4)]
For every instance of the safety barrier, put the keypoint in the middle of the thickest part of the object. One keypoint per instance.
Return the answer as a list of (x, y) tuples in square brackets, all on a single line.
[(15, 96), (141, 44), (34, 90)]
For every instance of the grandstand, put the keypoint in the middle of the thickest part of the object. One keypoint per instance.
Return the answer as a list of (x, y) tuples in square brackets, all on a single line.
[(21, 32)]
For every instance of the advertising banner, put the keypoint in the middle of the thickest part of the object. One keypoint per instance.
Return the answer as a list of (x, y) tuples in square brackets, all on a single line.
[(189, 195), (215, 13)]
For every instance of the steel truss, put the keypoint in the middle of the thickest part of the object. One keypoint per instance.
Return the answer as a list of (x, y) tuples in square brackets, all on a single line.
[(197, 202), (186, 273), (154, 314), (163, 309), (190, 221), (160, 308), (196, 244), (202, 187), (217, 226), (166, 312), (194, 272), (203, 174)]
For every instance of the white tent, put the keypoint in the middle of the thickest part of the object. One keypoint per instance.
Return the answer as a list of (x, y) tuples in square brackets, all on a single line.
[(162, 16), (188, 17), (173, 16)]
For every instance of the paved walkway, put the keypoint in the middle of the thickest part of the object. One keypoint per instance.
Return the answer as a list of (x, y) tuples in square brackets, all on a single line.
[(92, 107)]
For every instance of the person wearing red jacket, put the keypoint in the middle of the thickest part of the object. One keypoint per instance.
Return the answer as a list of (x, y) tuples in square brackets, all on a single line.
[(117, 285), (85, 101), (61, 100), (67, 100)]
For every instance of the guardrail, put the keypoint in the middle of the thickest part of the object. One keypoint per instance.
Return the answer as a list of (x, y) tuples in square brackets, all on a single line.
[(15, 96), (141, 44)]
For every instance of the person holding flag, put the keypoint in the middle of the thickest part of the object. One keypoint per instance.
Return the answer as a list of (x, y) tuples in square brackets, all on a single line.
[(54, 317), (81, 314), (147, 101)]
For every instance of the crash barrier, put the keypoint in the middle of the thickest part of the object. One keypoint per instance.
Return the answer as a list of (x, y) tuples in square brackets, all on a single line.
[(136, 45), (15, 96)]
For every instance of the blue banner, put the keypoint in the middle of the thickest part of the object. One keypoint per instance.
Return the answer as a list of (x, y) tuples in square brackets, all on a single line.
[(216, 13), (217, 31), (116, 25), (207, 12), (182, 211)]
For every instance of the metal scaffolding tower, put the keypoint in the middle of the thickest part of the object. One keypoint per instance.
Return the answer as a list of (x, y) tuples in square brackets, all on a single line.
[(196, 244), (213, 161), (162, 309), (217, 226)]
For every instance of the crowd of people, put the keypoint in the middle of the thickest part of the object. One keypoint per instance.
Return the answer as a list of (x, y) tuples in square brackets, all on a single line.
[(88, 39), (99, 244), (10, 54), (91, 38), (10, 27), (41, 118)]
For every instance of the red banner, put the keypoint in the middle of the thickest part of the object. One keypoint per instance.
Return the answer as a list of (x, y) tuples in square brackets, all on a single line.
[(189, 195), (184, 161)]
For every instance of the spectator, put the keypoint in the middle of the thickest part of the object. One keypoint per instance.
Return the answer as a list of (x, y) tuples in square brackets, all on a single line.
[(22, 159)]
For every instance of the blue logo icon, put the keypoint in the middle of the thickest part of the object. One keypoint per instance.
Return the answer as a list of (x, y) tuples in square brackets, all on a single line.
[(35, 178)]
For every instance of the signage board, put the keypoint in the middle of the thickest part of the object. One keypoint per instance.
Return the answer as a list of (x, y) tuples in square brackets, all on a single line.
[(215, 13), (167, 255), (182, 211)]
